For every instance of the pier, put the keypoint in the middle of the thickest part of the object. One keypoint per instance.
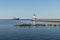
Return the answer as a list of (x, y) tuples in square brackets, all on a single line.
[(35, 19)]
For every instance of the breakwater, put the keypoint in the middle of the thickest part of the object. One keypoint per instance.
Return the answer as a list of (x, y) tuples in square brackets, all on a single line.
[(37, 25)]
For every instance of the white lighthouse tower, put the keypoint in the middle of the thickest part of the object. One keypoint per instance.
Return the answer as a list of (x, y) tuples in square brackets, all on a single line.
[(34, 18)]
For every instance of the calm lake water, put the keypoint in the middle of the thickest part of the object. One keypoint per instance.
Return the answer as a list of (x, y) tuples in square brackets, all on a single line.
[(10, 32)]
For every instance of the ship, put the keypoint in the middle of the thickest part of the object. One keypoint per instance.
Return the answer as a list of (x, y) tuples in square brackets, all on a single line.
[(15, 18)]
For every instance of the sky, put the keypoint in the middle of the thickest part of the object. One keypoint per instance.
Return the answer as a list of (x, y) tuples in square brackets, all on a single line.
[(44, 9)]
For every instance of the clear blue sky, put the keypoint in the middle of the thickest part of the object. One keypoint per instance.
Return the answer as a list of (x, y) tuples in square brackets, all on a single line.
[(44, 9)]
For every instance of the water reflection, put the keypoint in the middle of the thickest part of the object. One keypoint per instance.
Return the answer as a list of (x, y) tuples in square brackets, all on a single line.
[(42, 32)]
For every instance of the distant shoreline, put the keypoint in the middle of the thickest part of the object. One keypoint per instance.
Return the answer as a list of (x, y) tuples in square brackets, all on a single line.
[(40, 20)]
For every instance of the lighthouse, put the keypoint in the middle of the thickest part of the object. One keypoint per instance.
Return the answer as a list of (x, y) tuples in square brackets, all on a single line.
[(34, 18)]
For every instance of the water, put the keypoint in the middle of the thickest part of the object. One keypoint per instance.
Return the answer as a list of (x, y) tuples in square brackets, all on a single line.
[(10, 32)]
